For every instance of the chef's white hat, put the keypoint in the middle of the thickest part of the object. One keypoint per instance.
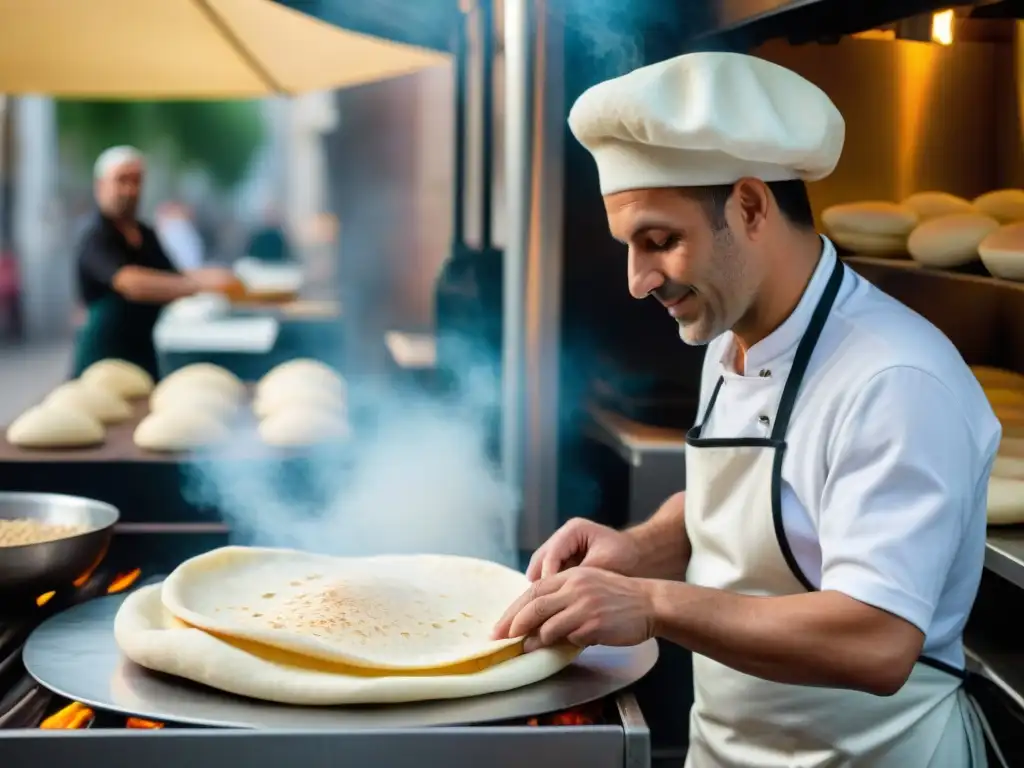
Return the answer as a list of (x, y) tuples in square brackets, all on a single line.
[(707, 118)]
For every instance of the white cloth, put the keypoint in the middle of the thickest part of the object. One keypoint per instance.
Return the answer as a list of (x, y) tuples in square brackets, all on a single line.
[(890, 447), (705, 119), (182, 242)]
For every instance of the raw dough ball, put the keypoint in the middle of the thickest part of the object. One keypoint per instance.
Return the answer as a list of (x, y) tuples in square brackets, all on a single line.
[(1004, 205), (997, 378), (102, 404), (302, 392), (931, 205), (1005, 501), (184, 395), (301, 369), (870, 218), (302, 425), (206, 375), (1002, 252), (119, 376), (950, 241), (179, 430), (55, 426), (1010, 467)]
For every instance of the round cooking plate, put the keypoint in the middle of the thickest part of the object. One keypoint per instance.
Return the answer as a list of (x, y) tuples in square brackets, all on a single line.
[(74, 654)]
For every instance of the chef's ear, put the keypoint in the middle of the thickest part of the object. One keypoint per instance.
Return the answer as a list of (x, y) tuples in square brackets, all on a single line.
[(752, 201)]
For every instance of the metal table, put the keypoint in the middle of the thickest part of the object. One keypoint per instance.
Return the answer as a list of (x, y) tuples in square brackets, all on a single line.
[(655, 455)]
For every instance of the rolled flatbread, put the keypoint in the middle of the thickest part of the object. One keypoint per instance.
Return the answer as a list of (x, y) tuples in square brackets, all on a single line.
[(399, 612), (120, 377), (55, 426), (149, 635)]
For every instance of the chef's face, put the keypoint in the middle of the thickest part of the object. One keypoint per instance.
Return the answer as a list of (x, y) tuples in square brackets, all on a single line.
[(699, 269), (117, 193)]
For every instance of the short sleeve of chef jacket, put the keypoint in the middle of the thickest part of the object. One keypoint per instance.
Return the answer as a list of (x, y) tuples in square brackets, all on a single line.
[(904, 500)]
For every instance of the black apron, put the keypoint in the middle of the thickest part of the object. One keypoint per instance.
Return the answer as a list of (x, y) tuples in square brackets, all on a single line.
[(117, 328)]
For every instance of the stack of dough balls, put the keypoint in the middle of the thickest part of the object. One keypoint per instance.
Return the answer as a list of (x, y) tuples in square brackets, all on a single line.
[(76, 413), (1005, 393), (875, 228), (192, 408), (301, 403)]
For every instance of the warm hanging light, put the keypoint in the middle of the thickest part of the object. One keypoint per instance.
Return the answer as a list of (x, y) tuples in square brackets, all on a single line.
[(942, 27)]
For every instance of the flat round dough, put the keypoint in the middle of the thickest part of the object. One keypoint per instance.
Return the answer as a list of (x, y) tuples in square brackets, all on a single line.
[(872, 245), (298, 372), (310, 395), (297, 425), (932, 205), (1004, 205), (390, 612), (872, 217), (179, 430), (55, 426), (1005, 501), (119, 376), (194, 395), (1002, 252), (206, 376), (950, 241), (103, 404), (148, 634), (997, 378)]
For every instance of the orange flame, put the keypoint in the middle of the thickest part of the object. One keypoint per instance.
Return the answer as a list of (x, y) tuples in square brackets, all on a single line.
[(123, 580), (44, 598), (73, 717), (138, 722)]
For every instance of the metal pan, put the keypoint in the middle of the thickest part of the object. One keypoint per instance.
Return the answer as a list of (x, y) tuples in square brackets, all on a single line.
[(33, 569)]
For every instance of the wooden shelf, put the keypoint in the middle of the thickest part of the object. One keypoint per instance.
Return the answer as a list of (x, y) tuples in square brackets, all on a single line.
[(910, 265)]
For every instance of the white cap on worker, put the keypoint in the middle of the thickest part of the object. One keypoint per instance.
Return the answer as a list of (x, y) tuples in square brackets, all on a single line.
[(705, 119)]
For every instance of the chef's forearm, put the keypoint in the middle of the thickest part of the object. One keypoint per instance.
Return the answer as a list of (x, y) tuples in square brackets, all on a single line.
[(818, 638), (662, 541)]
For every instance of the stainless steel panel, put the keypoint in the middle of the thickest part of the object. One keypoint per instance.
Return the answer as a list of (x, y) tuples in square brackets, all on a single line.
[(534, 135), (493, 747), (75, 655)]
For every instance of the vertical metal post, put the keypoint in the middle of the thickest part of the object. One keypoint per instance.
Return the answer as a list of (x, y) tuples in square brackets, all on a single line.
[(534, 136)]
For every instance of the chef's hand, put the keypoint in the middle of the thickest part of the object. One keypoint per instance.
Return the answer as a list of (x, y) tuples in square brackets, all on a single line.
[(584, 542), (214, 279), (584, 606)]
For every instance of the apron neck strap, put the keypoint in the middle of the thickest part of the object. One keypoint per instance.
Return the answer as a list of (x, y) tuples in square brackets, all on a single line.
[(804, 351)]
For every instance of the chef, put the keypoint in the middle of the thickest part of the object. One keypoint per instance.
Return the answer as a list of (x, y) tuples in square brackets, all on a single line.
[(824, 557), (124, 276)]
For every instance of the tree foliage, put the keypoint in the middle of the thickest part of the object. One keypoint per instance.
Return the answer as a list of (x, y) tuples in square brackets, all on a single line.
[(219, 136)]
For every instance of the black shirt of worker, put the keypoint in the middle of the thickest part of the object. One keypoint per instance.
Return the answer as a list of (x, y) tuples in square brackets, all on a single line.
[(103, 250)]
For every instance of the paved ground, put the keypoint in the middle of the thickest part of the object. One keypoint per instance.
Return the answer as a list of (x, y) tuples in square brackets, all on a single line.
[(28, 372)]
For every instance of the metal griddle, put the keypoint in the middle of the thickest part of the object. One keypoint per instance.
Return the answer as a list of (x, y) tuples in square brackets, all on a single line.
[(75, 655)]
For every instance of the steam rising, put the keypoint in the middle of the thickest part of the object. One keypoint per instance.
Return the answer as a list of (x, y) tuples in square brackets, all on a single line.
[(415, 478)]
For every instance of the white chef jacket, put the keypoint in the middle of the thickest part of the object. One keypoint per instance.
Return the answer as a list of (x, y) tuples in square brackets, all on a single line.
[(885, 477)]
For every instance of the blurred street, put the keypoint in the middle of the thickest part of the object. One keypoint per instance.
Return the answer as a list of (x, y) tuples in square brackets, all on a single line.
[(26, 370)]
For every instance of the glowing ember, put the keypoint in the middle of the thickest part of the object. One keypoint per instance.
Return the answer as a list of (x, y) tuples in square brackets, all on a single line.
[(44, 598), (123, 581), (73, 717)]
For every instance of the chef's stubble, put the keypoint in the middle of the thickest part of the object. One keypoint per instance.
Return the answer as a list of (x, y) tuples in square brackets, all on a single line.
[(725, 295)]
